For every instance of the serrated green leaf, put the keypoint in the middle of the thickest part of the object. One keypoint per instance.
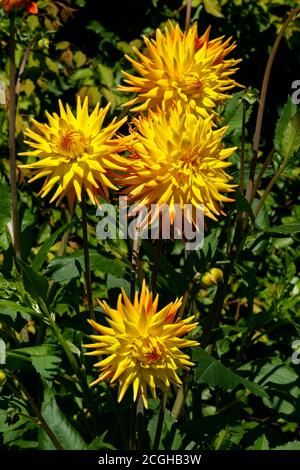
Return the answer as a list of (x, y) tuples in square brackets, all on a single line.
[(291, 137), (261, 443), (11, 309), (44, 359), (287, 133), (293, 445), (211, 372), (66, 434), (288, 111)]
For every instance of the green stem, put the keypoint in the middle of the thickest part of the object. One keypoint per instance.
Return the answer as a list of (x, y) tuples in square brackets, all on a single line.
[(156, 264), (160, 421), (63, 342), (42, 423), (140, 423), (23, 65), (188, 14), (268, 188), (134, 263), (87, 270), (119, 416), (261, 174), (242, 165), (12, 140), (133, 422)]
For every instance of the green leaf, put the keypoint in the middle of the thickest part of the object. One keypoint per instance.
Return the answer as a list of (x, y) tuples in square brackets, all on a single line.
[(287, 133), (35, 284), (11, 309), (213, 7), (293, 445), (114, 282), (291, 137), (42, 254), (211, 372), (233, 114), (5, 205), (63, 268), (99, 443), (68, 267), (243, 205), (170, 436), (43, 358), (261, 443), (289, 110), (66, 434), (287, 229)]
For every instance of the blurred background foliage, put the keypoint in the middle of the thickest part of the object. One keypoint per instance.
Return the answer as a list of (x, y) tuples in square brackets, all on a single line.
[(78, 49)]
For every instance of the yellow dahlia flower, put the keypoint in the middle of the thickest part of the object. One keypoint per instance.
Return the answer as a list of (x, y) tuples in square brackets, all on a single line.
[(181, 65), (142, 344), (177, 159), (76, 152)]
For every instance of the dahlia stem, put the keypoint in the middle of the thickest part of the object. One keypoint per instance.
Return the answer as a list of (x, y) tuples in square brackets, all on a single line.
[(188, 14), (261, 173), (134, 263), (12, 139), (119, 416), (41, 421), (62, 341), (87, 270), (262, 102), (242, 165), (159, 246), (132, 432), (23, 65), (269, 187), (160, 421), (140, 423)]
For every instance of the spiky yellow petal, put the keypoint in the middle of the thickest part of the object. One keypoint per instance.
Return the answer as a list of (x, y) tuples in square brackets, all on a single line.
[(144, 349), (75, 152), (177, 159), (181, 66)]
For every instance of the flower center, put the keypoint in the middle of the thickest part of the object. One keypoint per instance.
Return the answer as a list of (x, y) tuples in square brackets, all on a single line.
[(148, 350), (192, 85), (72, 143)]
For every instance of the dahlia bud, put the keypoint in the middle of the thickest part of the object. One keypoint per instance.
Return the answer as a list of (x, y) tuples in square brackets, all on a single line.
[(2, 377), (212, 277)]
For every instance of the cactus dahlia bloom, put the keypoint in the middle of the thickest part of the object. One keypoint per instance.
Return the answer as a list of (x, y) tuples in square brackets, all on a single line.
[(76, 152), (181, 65), (177, 160), (9, 5), (142, 344)]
